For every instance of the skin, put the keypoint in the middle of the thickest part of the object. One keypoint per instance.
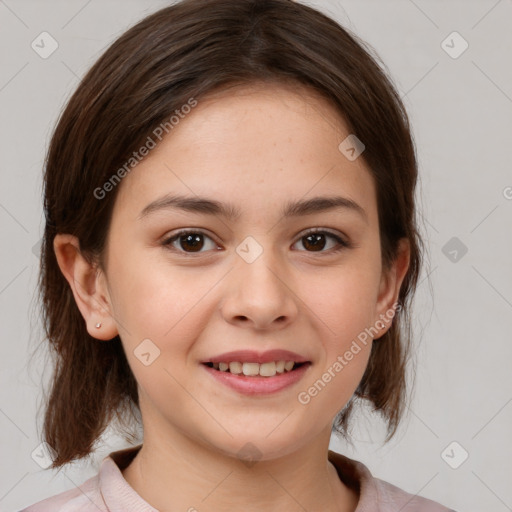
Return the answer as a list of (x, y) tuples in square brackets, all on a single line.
[(257, 147)]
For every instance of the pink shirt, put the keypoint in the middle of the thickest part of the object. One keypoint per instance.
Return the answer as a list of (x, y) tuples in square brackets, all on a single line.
[(108, 491)]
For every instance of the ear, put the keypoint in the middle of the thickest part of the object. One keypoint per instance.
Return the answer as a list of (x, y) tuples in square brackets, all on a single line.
[(88, 285), (391, 281)]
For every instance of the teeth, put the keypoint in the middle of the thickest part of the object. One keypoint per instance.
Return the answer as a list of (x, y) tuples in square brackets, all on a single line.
[(250, 368), (254, 369), (267, 369), (235, 368)]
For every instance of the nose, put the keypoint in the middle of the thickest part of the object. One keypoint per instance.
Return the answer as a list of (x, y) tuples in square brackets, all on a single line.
[(260, 295)]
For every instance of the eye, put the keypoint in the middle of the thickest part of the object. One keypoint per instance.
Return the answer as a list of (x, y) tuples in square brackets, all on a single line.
[(193, 241), (189, 240), (316, 240)]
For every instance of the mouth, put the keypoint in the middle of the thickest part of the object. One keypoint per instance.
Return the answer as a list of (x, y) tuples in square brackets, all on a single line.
[(251, 369), (257, 379)]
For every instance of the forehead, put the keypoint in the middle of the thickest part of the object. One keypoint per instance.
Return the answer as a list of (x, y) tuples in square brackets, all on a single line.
[(253, 146)]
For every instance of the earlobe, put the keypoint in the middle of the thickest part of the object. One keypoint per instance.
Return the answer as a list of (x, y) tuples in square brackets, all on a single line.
[(391, 282), (88, 288)]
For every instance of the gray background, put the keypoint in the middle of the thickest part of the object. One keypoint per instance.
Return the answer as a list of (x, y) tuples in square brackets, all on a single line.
[(461, 111)]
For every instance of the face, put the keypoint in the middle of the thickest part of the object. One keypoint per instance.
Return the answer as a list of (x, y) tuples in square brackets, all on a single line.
[(257, 280)]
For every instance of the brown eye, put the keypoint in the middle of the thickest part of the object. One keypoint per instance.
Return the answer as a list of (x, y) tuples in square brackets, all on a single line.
[(316, 241), (193, 242), (188, 242)]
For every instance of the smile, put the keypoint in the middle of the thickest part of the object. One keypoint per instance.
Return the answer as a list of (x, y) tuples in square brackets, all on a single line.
[(248, 369), (251, 378)]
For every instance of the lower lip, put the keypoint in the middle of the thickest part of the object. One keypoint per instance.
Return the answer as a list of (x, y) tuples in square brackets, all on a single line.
[(258, 385)]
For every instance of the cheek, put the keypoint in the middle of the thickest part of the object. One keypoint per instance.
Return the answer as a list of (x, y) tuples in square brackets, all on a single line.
[(327, 393), (344, 301), (154, 298)]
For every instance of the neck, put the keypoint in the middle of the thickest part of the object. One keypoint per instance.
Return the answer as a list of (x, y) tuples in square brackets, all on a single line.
[(181, 474)]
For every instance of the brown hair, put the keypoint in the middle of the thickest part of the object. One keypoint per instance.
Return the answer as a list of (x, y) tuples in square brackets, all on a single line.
[(185, 51)]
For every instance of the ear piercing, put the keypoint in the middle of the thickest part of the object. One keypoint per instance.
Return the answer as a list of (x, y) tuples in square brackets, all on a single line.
[(98, 325)]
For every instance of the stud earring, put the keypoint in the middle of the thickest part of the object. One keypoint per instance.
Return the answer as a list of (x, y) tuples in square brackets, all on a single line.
[(98, 325)]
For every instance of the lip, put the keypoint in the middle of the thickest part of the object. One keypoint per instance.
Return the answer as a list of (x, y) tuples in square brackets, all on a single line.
[(257, 385), (253, 356)]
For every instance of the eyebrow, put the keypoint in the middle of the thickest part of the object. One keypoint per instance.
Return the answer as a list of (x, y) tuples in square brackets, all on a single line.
[(229, 211)]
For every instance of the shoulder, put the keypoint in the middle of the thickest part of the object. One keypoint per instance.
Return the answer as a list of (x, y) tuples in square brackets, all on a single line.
[(376, 494), (84, 498), (106, 491), (393, 498)]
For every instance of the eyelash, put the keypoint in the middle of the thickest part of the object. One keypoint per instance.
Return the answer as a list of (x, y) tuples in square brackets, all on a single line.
[(342, 243)]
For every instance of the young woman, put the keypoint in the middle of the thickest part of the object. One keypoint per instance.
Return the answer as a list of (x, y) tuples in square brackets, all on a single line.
[(229, 256)]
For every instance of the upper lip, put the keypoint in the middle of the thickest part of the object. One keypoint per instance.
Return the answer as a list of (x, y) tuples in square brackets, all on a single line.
[(253, 356)]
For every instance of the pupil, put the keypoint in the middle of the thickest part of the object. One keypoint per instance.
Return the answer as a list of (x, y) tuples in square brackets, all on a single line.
[(193, 240), (315, 241), (316, 237)]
